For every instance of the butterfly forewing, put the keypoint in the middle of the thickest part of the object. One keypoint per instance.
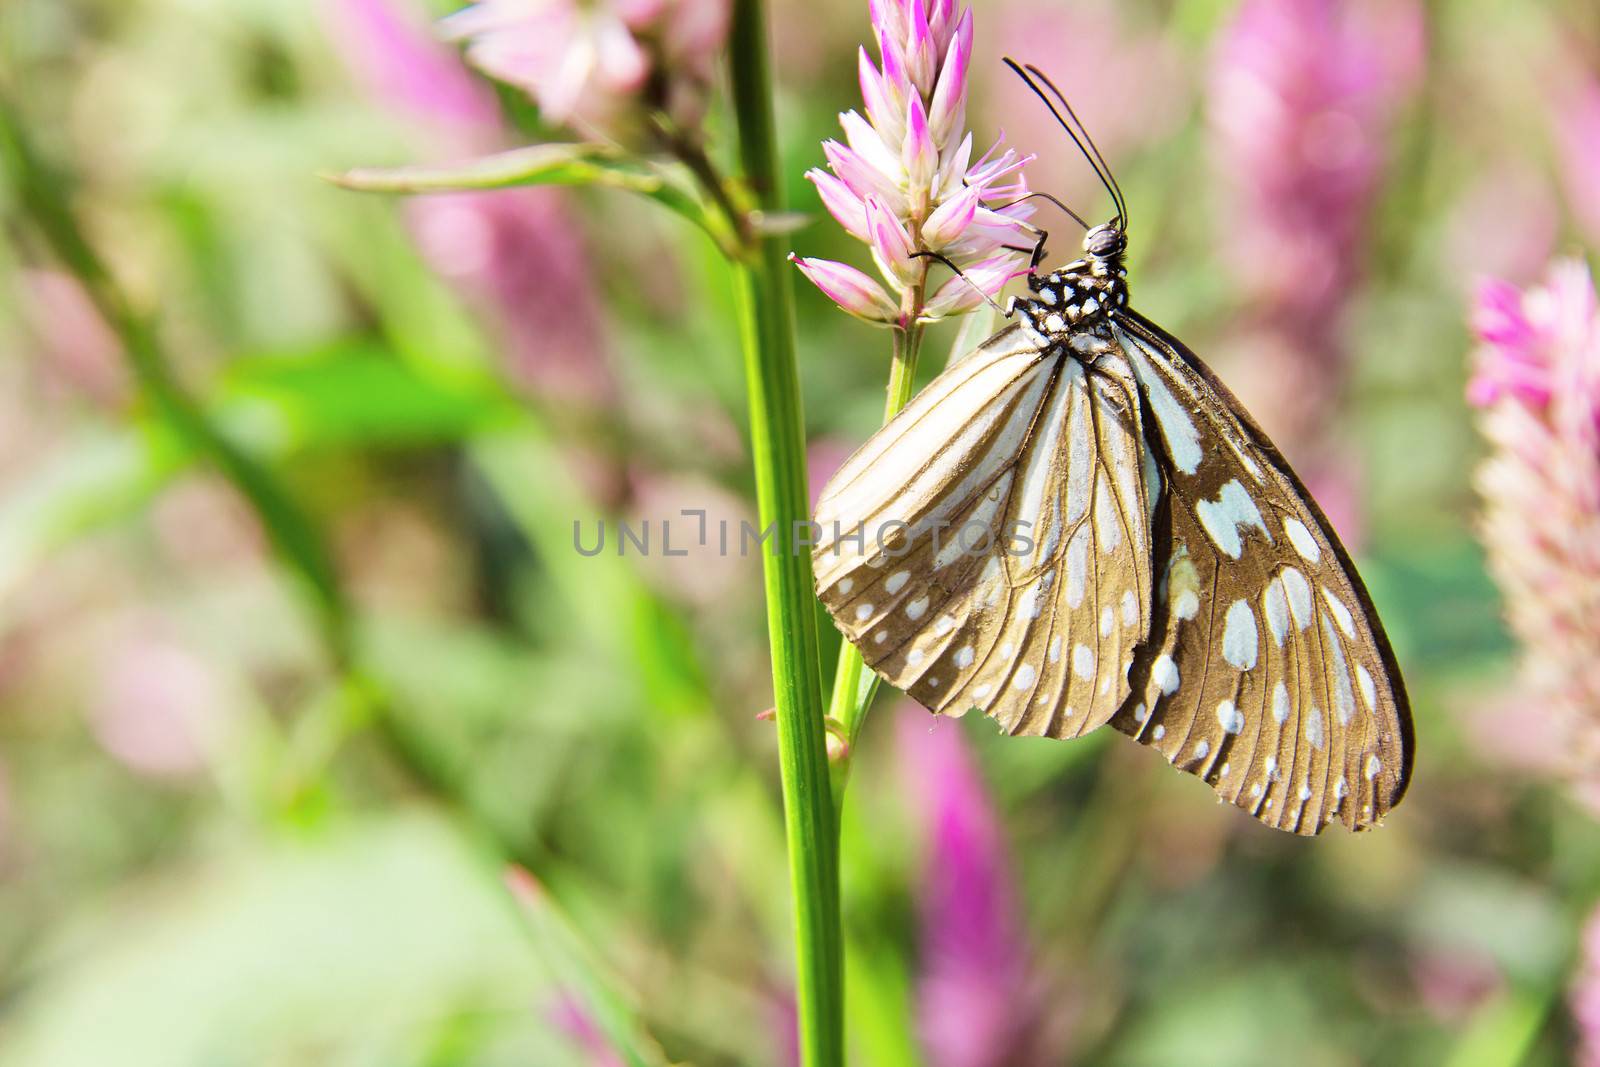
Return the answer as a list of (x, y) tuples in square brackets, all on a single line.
[(990, 547), (1267, 672)]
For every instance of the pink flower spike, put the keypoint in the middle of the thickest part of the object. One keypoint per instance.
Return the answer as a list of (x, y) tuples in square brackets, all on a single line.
[(1497, 315), (951, 218), (891, 244), (895, 76), (862, 179), (847, 209), (941, 21), (852, 290), (950, 97), (918, 153), (883, 108), (867, 143), (922, 57)]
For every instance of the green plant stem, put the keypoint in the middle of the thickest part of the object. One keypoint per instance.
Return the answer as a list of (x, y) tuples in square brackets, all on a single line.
[(853, 685), (777, 434)]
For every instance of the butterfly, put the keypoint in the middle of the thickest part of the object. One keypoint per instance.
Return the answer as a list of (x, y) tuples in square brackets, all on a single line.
[(1078, 524)]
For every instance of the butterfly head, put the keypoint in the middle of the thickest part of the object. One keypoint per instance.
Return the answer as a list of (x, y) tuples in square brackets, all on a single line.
[(1106, 241), (1077, 299)]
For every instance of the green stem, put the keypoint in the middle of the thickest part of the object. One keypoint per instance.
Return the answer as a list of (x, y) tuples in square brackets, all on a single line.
[(777, 434)]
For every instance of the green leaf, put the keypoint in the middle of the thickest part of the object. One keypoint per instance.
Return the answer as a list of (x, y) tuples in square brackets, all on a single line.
[(545, 164), (356, 394)]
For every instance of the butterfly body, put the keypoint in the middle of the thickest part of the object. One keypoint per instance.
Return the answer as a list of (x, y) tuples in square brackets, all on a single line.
[(1078, 524)]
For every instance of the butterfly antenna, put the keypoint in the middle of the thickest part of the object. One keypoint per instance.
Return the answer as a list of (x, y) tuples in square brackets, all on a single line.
[(1122, 202), (936, 257), (1046, 196), (1093, 158)]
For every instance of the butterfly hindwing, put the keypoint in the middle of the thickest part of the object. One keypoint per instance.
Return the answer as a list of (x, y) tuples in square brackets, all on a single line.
[(990, 547), (1267, 672)]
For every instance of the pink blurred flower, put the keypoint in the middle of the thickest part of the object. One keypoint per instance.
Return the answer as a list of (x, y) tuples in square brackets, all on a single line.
[(1508, 216), (515, 253), (403, 65), (904, 182), (1537, 377), (586, 63), (1578, 130), (976, 1006), (159, 708), (1301, 94), (74, 343)]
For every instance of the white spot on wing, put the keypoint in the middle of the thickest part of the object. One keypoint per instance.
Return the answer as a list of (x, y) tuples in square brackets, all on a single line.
[(1372, 768), (1341, 613), (1344, 698), (1231, 718), (1239, 637), (1025, 676), (1298, 591), (964, 657), (863, 612), (1080, 446), (1301, 539), (1055, 648), (1314, 730), (1106, 522), (1130, 608), (1369, 692), (1276, 607), (1164, 672), (917, 608), (897, 581), (1077, 566), (1107, 621), (1187, 606), (1083, 661), (1227, 515), (1177, 426), (845, 585), (1280, 703)]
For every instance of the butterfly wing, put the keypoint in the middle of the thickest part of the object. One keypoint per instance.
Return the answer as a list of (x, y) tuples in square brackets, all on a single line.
[(1267, 672), (990, 546)]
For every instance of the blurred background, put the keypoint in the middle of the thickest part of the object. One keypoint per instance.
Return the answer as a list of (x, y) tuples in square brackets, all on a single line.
[(247, 818)]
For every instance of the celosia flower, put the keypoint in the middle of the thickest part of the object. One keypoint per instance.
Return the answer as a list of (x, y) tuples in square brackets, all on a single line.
[(1538, 379), (589, 62), (975, 1003), (904, 182), (1300, 95)]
